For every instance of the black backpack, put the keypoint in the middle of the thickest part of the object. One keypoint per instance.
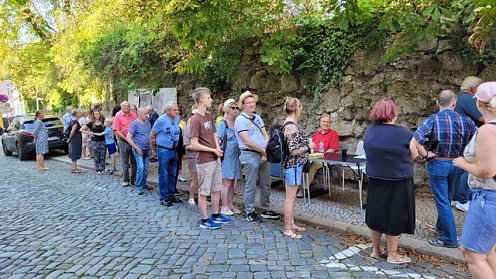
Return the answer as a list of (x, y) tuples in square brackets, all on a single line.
[(276, 149)]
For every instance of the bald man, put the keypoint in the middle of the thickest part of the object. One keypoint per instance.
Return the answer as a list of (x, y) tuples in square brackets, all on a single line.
[(122, 123)]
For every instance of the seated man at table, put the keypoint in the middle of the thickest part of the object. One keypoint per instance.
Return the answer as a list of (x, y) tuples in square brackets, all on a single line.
[(330, 143)]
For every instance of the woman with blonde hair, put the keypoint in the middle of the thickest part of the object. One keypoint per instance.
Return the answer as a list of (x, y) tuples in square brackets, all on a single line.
[(478, 241), (296, 140), (40, 134), (230, 166), (220, 114)]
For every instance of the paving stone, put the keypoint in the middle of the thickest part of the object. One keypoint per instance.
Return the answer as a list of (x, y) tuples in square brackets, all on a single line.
[(60, 225)]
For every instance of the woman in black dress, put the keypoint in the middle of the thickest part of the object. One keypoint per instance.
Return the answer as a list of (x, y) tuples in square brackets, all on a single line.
[(390, 150), (75, 140)]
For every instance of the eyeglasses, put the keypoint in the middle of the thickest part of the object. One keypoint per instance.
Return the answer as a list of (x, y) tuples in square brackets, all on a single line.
[(234, 108)]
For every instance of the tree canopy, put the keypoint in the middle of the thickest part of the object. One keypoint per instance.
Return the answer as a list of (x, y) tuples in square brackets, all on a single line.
[(71, 51)]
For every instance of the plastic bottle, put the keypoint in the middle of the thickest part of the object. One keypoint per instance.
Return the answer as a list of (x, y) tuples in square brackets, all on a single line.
[(321, 147)]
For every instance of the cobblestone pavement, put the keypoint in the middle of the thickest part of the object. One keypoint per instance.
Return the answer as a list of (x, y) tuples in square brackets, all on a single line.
[(55, 224)]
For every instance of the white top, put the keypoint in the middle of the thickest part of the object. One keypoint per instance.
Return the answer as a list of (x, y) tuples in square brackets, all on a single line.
[(473, 181)]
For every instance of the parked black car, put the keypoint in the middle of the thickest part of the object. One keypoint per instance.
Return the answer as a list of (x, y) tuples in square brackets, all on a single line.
[(18, 137)]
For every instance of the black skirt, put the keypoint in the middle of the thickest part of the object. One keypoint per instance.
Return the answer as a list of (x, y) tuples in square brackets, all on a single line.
[(391, 206)]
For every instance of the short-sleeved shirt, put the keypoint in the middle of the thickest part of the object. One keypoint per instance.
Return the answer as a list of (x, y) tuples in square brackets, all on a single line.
[(466, 105), (141, 133), (167, 131), (67, 120), (203, 128), (330, 139), (388, 152), (191, 154), (122, 122), (253, 125), (96, 129), (109, 136), (450, 131)]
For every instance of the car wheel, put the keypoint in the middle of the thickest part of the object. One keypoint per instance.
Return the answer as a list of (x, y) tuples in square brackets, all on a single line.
[(6, 152), (21, 154)]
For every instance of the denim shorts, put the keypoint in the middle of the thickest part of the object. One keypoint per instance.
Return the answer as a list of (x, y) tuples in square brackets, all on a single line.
[(479, 230), (292, 176)]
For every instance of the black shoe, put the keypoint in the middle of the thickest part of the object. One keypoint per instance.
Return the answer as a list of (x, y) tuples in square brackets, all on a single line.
[(133, 183), (176, 200), (439, 243), (270, 215), (146, 187), (253, 217), (166, 203)]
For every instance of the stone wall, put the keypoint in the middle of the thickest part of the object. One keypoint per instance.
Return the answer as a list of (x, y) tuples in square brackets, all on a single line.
[(413, 82)]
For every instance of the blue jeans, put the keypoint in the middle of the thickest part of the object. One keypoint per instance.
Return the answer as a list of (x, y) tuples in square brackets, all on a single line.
[(461, 193), (253, 169), (167, 163), (443, 177), (142, 163)]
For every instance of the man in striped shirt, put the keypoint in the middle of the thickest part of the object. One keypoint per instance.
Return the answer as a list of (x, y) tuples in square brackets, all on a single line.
[(447, 132)]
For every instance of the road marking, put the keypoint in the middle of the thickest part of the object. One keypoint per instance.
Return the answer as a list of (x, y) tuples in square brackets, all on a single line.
[(334, 262)]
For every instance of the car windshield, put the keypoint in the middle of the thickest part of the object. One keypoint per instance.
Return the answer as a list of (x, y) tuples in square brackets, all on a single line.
[(49, 123)]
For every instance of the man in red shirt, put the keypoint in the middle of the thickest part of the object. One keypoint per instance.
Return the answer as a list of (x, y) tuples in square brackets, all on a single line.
[(324, 138), (122, 123), (326, 135)]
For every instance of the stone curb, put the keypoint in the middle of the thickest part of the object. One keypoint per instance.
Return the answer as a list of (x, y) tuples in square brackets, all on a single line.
[(406, 241)]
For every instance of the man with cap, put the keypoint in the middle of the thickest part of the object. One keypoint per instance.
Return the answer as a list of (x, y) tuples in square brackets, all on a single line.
[(448, 133), (252, 140), (465, 105)]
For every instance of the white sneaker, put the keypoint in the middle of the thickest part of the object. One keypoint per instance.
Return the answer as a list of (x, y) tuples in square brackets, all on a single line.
[(191, 202), (462, 206), (181, 178), (226, 211), (453, 203)]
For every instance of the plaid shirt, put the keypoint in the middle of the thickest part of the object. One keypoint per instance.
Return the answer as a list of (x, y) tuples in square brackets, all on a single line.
[(452, 130)]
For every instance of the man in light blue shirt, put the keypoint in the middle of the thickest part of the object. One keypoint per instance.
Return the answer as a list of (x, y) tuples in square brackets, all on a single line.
[(163, 140), (67, 117), (252, 140)]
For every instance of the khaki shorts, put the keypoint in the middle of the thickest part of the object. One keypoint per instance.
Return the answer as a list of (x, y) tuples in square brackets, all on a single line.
[(192, 164), (209, 177)]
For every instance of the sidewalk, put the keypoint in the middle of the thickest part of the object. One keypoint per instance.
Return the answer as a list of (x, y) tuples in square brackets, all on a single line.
[(340, 213)]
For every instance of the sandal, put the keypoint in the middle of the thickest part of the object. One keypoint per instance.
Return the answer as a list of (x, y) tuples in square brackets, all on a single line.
[(76, 171), (298, 229), (404, 259), (378, 256), (292, 234)]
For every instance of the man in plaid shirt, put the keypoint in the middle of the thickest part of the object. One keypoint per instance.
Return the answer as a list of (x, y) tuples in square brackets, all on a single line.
[(447, 132)]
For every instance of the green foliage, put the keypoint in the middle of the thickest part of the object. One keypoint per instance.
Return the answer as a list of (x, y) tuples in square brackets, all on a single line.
[(76, 51)]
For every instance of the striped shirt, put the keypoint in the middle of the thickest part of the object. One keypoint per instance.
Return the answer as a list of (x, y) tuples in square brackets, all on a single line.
[(450, 129)]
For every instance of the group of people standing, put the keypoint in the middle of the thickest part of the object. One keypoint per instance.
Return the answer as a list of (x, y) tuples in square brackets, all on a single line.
[(459, 155), (452, 145)]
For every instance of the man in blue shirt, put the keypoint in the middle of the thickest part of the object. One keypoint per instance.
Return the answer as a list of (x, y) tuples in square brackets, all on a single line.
[(252, 140), (67, 117), (466, 105), (448, 133), (163, 140), (139, 138)]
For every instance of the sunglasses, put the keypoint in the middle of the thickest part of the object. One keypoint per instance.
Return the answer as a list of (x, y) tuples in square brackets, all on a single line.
[(234, 108)]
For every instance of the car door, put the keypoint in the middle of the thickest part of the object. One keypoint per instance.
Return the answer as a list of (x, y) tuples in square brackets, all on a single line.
[(9, 137)]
